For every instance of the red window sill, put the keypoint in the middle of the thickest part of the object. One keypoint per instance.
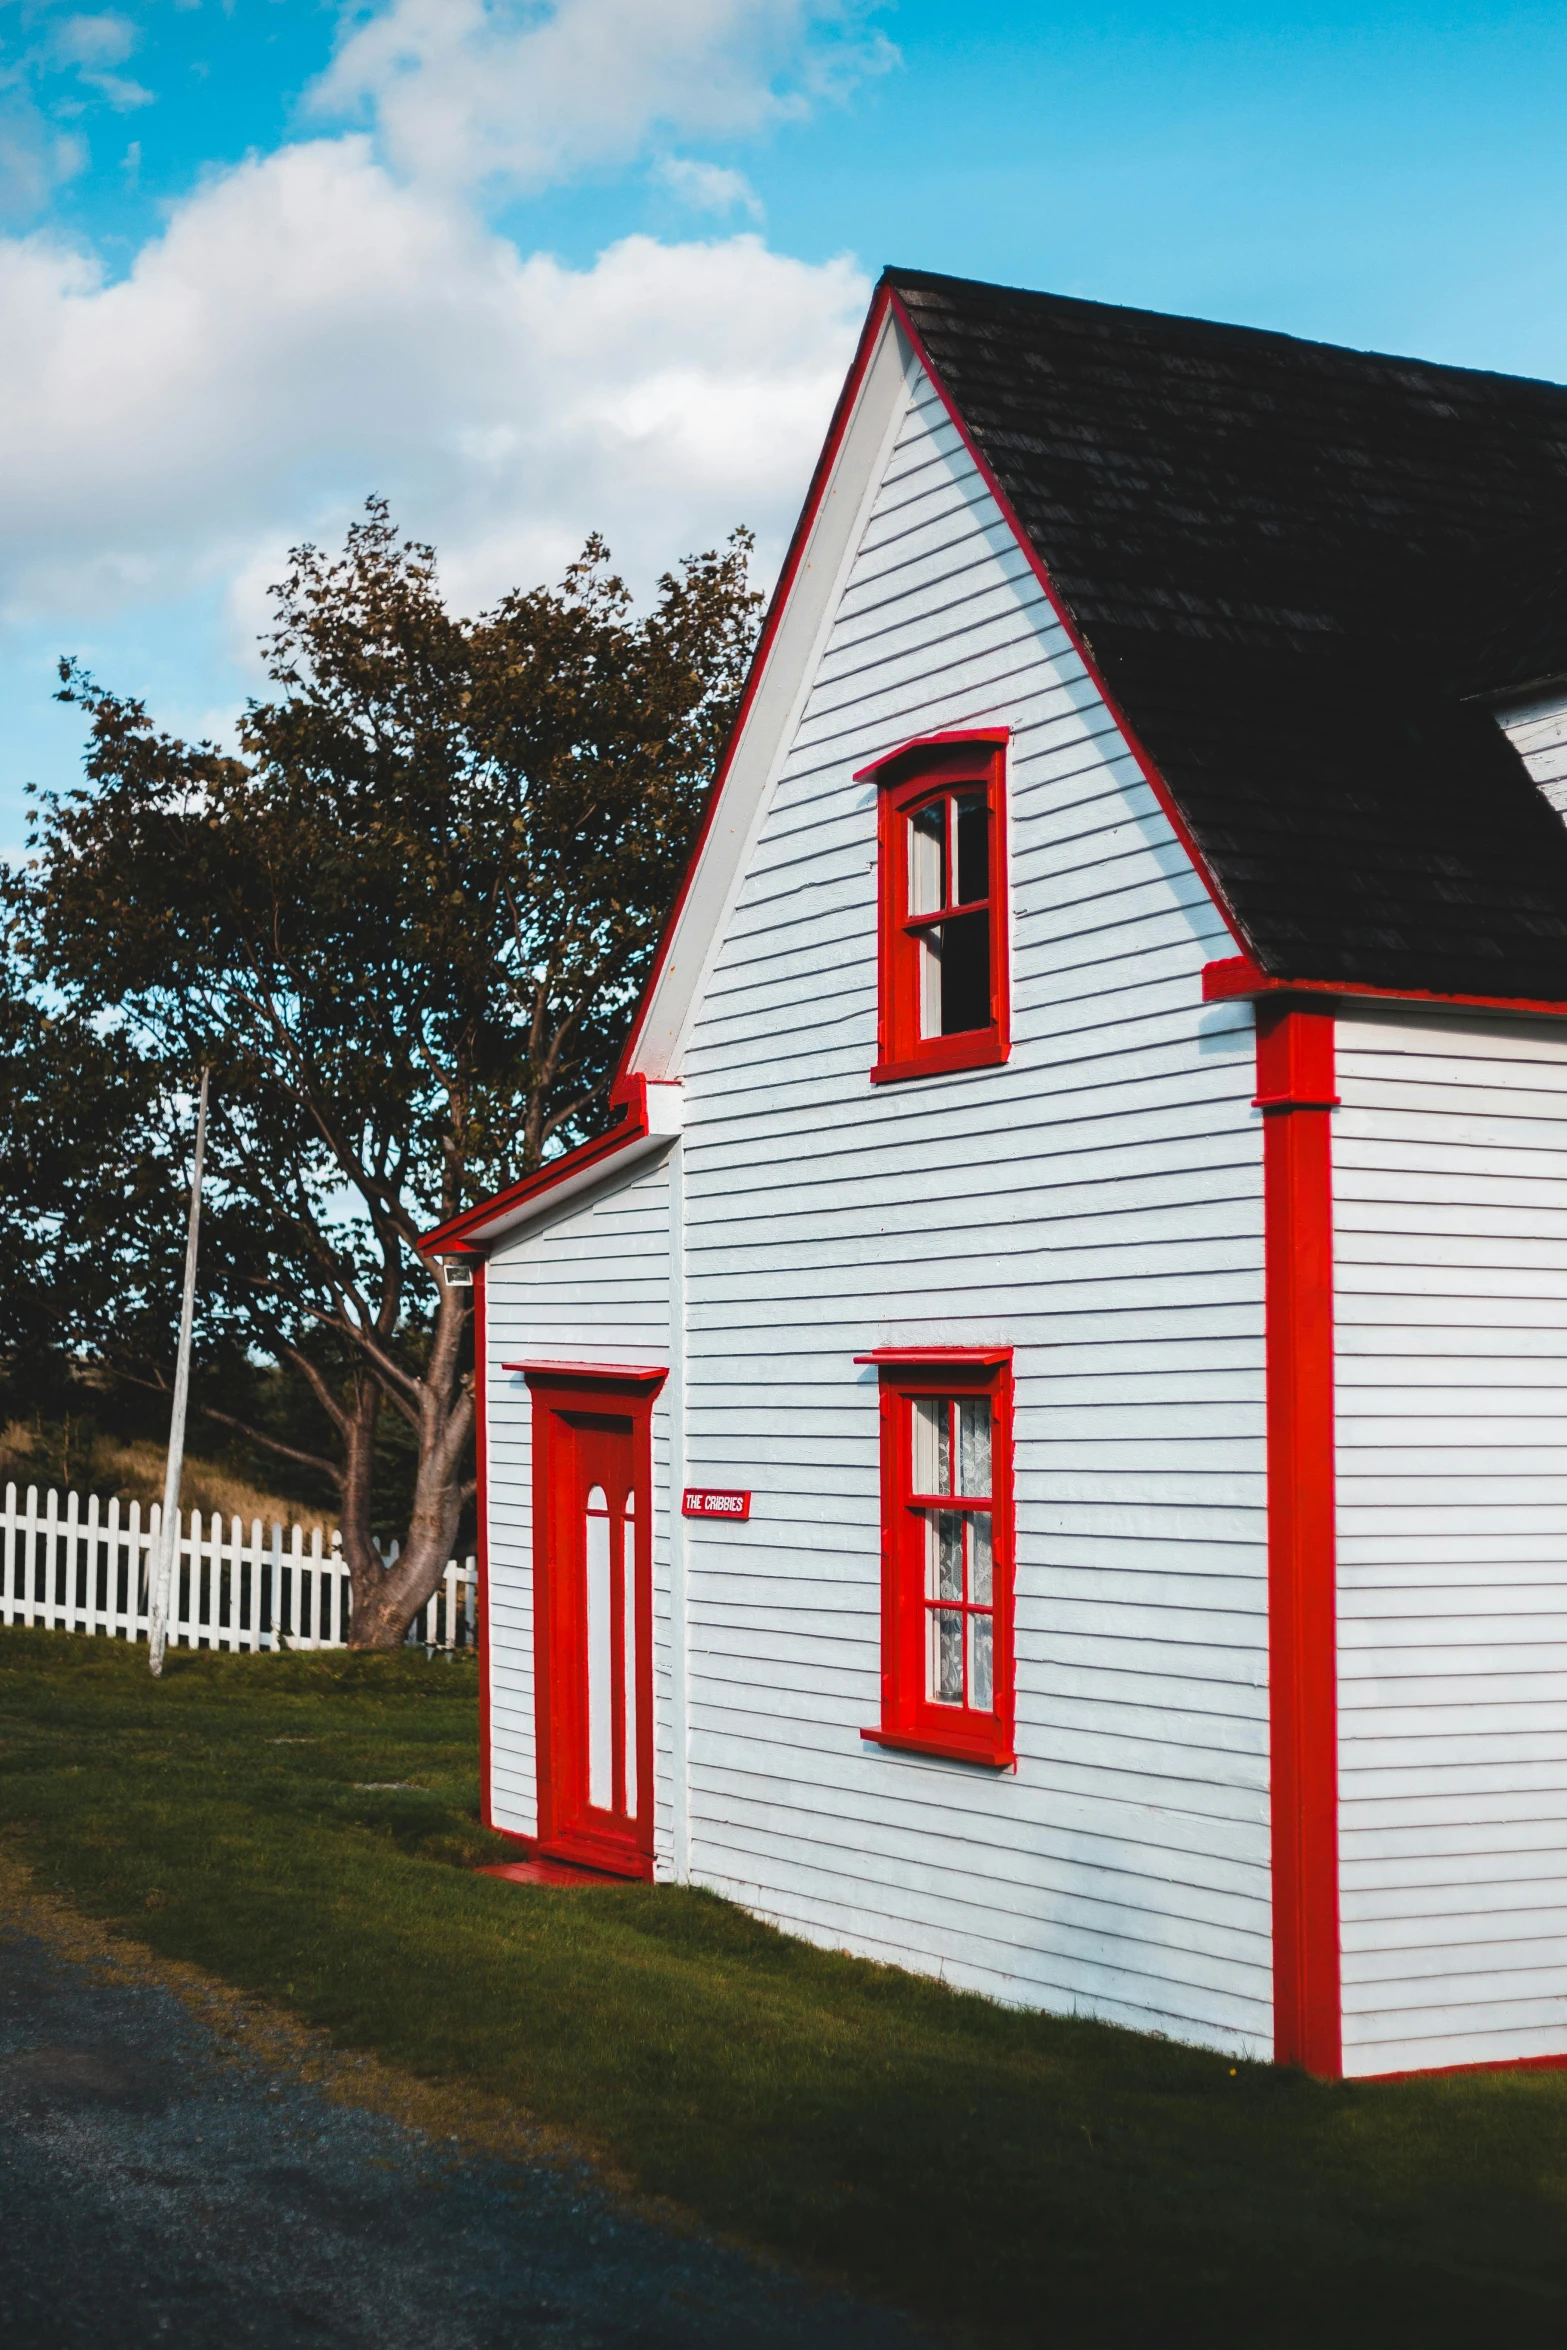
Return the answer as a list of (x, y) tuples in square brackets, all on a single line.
[(984, 1049), (993, 1754)]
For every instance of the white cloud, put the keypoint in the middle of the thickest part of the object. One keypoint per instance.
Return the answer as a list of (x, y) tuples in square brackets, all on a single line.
[(35, 158), (95, 41), (92, 44), (307, 330), (708, 187), (464, 91)]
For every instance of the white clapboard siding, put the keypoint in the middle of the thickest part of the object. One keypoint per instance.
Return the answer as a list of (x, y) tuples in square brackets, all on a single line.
[(1450, 1239), (1097, 1204), (589, 1286), (1537, 729)]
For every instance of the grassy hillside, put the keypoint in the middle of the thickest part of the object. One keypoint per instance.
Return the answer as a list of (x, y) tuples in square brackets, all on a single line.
[(132, 1468)]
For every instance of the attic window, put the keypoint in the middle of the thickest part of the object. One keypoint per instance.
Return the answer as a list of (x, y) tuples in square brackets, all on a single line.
[(942, 907)]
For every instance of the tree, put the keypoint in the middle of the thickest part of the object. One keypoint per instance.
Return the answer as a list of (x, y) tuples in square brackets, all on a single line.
[(406, 928), (89, 1175)]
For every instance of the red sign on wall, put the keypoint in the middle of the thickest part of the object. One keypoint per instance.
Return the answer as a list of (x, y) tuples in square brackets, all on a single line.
[(701, 1502)]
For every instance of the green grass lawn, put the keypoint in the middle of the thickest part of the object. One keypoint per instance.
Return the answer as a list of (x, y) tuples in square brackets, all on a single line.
[(1035, 2179)]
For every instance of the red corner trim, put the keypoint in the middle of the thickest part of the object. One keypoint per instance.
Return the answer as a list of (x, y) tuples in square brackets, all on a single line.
[(630, 1095), (1238, 976), (994, 736), (869, 334), (1295, 1082), (481, 1544), (1151, 776)]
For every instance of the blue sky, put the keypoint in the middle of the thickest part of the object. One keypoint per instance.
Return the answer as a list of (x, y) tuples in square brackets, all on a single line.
[(535, 269)]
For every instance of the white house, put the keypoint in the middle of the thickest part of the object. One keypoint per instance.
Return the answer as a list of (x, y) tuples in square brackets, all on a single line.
[(1037, 1448)]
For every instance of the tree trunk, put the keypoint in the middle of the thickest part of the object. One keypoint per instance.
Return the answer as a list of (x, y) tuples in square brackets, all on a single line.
[(386, 1599)]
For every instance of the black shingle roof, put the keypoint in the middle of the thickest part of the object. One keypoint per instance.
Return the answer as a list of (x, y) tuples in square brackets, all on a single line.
[(1293, 565)]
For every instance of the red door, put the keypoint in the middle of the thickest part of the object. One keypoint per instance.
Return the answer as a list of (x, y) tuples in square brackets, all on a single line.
[(595, 1619)]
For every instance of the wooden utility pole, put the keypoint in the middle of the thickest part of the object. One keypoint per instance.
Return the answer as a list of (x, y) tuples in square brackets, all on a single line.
[(169, 1531)]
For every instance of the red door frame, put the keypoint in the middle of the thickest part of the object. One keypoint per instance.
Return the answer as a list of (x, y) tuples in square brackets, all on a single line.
[(559, 1392)]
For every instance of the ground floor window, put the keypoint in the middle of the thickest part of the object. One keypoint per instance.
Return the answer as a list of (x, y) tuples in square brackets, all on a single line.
[(946, 1471)]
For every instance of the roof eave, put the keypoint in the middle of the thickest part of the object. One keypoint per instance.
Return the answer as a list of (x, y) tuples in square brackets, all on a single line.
[(653, 1118), (1238, 979)]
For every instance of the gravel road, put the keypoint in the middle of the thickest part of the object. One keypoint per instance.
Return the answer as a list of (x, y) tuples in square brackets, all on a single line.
[(157, 2188)]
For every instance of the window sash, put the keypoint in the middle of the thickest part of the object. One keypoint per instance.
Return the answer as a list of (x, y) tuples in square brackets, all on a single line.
[(948, 898), (944, 948)]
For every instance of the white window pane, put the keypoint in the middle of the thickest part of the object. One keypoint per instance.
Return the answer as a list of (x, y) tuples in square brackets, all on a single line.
[(601, 1751), (974, 1446), (932, 1446), (928, 859), (946, 1655), (930, 982), (943, 1554), (981, 1665), (973, 831), (628, 1553), (979, 1568)]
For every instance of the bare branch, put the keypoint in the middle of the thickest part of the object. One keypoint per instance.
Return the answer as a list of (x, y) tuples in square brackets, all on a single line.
[(274, 1444), (319, 1389)]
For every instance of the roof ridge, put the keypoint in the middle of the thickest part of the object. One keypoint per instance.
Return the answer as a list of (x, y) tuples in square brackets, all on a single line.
[(901, 280)]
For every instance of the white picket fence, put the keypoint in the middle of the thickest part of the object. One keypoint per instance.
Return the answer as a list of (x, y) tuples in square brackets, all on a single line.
[(85, 1570)]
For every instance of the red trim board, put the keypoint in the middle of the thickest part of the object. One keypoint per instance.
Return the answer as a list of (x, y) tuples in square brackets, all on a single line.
[(1489, 2064), (1151, 776), (887, 302), (481, 1546), (1295, 1094), (994, 737), (1237, 976), (941, 1750), (629, 1095), (976, 1357), (820, 480)]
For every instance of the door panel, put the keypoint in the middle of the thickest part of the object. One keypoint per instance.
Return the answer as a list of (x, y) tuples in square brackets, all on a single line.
[(595, 1594)]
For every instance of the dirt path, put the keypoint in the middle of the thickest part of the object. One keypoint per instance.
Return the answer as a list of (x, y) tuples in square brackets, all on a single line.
[(177, 2169)]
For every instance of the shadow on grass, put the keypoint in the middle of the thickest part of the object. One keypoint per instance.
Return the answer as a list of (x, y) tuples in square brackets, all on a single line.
[(306, 1826)]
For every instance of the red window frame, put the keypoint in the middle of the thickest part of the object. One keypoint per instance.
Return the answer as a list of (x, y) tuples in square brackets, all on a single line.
[(907, 781), (910, 1717)]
